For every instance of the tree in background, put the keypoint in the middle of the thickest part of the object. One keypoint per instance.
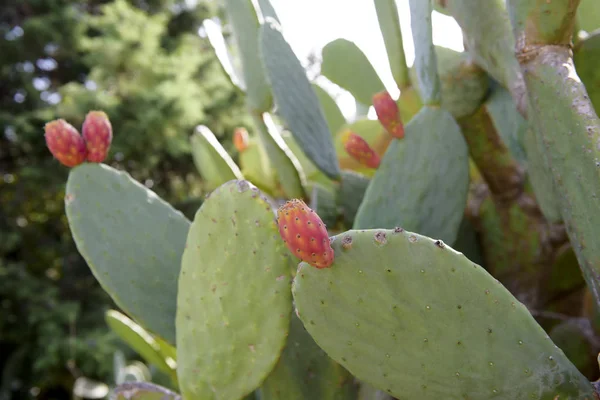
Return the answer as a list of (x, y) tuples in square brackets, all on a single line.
[(144, 64)]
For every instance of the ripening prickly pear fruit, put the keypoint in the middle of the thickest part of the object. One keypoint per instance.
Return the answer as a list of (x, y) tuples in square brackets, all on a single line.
[(305, 234), (65, 143), (388, 114), (360, 150), (240, 139), (97, 133)]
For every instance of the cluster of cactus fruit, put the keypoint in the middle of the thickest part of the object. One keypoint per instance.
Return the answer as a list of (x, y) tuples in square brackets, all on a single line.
[(426, 246)]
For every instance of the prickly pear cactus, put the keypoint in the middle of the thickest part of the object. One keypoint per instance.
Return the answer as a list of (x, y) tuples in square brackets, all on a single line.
[(234, 300), (131, 239), (413, 317)]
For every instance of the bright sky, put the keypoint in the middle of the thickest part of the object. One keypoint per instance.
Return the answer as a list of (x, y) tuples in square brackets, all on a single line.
[(308, 25)]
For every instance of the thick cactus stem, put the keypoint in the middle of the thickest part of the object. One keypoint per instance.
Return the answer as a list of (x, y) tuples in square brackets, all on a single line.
[(565, 124), (305, 234), (502, 173), (97, 133), (65, 143)]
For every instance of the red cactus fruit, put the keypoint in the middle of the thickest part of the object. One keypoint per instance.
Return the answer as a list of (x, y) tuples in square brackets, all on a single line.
[(305, 234), (65, 143), (97, 133), (360, 150), (388, 114), (240, 139)]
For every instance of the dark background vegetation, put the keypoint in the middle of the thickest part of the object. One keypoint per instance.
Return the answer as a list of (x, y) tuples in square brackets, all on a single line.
[(147, 65)]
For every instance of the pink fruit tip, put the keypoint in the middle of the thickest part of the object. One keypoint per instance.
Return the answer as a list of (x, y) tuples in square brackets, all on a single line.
[(388, 114), (65, 143), (305, 234), (97, 133)]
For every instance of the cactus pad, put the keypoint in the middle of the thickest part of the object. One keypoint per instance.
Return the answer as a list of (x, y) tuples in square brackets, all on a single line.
[(245, 26), (234, 301), (422, 181), (333, 114), (305, 372), (212, 160), (139, 340), (296, 100), (132, 241), (343, 63), (411, 316)]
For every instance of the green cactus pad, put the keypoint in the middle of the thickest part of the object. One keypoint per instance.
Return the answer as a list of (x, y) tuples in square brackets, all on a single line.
[(409, 104), (389, 25), (422, 182), (586, 58), (256, 166), (267, 10), (132, 241), (588, 15), (425, 55), (508, 122), (333, 114), (212, 161), (139, 340), (305, 372), (287, 167), (488, 37), (223, 52), (411, 316), (143, 391), (541, 178), (464, 84), (234, 300), (296, 100), (347, 66), (245, 26), (351, 194), (568, 128), (313, 174), (323, 201)]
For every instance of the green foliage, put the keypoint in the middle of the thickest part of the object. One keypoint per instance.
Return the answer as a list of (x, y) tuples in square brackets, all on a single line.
[(498, 161)]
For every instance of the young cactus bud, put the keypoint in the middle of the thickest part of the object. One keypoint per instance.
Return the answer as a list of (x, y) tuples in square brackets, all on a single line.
[(97, 133), (388, 114), (360, 150), (305, 234), (240, 139), (65, 143)]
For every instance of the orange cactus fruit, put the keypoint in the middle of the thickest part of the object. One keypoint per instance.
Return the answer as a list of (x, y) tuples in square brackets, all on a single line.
[(360, 150), (305, 234), (388, 114), (65, 143), (97, 133), (240, 139)]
